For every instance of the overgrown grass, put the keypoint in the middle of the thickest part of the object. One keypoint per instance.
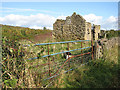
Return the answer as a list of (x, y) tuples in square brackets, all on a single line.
[(30, 73), (20, 72), (96, 74), (101, 73)]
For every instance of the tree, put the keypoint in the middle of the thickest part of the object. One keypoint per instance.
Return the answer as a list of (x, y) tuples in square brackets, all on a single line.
[(44, 28)]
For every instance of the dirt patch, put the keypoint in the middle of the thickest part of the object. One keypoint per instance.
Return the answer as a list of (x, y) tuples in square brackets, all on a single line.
[(43, 37)]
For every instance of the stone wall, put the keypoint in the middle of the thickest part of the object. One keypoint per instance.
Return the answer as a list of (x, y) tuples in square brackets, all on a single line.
[(88, 31), (103, 47), (96, 32), (58, 29), (74, 27)]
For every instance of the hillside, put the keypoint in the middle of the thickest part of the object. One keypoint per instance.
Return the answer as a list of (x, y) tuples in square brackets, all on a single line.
[(18, 33)]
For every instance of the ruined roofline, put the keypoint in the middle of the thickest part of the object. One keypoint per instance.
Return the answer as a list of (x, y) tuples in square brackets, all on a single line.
[(96, 25), (74, 14), (93, 24), (60, 20), (88, 22), (75, 27)]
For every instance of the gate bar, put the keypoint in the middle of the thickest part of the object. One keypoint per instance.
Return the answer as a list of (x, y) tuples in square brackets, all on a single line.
[(60, 42), (59, 53)]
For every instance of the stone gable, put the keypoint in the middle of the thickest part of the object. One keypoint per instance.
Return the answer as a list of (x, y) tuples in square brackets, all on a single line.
[(74, 27)]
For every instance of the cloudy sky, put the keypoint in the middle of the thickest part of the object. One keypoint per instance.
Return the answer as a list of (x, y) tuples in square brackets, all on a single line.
[(43, 14)]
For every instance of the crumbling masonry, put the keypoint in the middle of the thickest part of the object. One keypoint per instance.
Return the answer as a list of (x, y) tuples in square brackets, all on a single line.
[(75, 27)]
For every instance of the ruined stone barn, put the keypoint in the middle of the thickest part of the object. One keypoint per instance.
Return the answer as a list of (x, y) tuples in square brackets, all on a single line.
[(75, 27)]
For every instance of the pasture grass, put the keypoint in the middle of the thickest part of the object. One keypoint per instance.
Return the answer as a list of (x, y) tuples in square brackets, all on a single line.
[(97, 74), (100, 73)]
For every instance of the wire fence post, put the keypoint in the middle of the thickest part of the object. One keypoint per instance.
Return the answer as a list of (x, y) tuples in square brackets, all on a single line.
[(49, 61), (92, 49), (68, 54), (81, 53)]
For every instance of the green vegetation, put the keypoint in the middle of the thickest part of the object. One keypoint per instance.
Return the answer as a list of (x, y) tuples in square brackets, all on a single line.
[(44, 28), (17, 67), (19, 72), (101, 73), (110, 33), (96, 74), (14, 56), (18, 33), (12, 63)]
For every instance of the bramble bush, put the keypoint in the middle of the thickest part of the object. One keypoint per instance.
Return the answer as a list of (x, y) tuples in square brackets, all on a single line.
[(12, 62)]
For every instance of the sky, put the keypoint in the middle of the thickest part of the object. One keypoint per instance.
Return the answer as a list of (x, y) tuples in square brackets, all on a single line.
[(43, 14)]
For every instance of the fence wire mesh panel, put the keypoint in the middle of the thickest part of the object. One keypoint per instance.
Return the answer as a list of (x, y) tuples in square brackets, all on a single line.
[(53, 59)]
